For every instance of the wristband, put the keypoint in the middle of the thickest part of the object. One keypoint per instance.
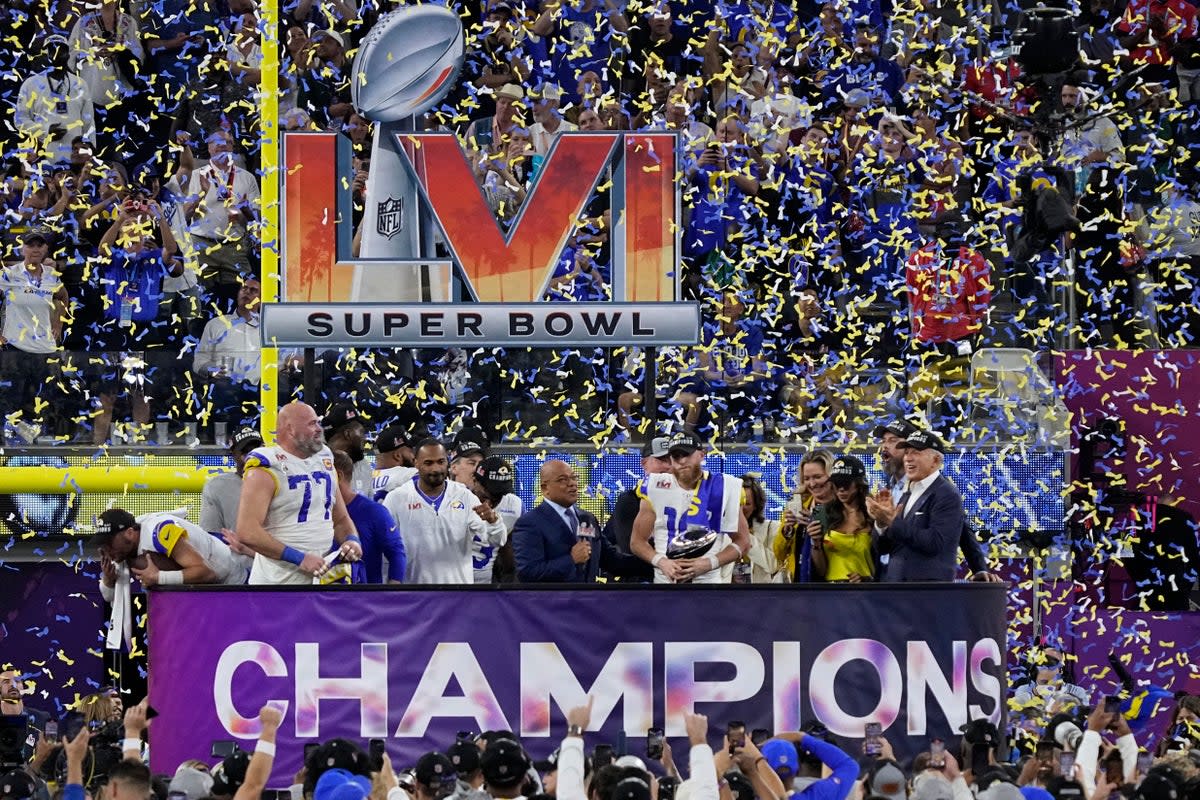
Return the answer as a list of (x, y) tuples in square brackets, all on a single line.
[(131, 744), (658, 559), (171, 577), (352, 538), (715, 560), (266, 748), (292, 556), (575, 730)]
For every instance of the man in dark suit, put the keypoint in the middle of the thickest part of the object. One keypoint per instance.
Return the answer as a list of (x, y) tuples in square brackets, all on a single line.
[(891, 453), (921, 530), (558, 542)]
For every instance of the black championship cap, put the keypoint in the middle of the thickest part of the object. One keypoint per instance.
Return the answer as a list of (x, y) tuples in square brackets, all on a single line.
[(109, 524), (685, 442), (924, 440)]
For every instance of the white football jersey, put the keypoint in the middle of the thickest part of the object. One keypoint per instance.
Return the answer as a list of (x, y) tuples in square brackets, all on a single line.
[(438, 535), (160, 533), (385, 480), (483, 555), (301, 510), (716, 504)]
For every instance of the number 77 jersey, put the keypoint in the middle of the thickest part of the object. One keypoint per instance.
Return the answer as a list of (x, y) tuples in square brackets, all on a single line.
[(301, 510)]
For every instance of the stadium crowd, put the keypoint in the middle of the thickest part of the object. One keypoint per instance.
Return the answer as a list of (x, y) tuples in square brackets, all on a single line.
[(1086, 750), (872, 190)]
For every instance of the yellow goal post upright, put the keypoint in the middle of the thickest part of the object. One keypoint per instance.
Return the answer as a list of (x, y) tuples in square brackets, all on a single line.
[(164, 480)]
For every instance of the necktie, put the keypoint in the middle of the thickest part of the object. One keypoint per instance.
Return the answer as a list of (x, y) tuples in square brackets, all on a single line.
[(573, 521), (903, 504)]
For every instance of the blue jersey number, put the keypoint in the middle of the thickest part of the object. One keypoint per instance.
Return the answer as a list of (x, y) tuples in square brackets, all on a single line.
[(484, 558), (306, 481)]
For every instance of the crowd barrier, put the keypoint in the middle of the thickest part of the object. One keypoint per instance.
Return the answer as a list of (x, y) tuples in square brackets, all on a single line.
[(416, 665)]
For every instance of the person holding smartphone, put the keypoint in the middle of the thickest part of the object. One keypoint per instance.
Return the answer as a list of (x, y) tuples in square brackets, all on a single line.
[(1106, 717), (793, 548)]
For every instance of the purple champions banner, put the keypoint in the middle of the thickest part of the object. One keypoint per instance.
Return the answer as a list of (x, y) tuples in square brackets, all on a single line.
[(415, 666)]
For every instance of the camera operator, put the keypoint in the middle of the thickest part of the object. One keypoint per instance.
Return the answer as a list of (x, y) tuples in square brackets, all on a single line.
[(127, 780), (1087, 140)]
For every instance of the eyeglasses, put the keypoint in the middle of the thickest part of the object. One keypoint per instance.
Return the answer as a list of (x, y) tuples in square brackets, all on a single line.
[(566, 479)]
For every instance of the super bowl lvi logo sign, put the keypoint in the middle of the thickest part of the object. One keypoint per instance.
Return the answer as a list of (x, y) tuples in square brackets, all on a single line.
[(422, 195)]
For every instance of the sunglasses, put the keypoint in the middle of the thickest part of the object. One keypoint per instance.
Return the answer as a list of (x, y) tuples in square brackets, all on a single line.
[(842, 482)]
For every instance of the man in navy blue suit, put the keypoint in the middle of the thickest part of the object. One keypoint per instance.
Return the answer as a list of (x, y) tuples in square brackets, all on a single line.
[(558, 542), (920, 531)]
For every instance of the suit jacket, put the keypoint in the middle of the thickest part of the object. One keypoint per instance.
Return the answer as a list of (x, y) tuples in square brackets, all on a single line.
[(923, 546), (542, 545)]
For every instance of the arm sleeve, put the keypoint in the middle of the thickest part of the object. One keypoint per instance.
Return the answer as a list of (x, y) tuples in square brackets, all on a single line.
[(731, 510), (108, 593), (1128, 748), (206, 349), (760, 554), (570, 770), (23, 111), (971, 549), (392, 546), (1086, 758), (210, 510), (702, 771), (844, 768), (946, 520)]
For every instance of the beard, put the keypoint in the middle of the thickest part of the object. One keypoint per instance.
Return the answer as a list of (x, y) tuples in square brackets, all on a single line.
[(356, 452), (309, 446)]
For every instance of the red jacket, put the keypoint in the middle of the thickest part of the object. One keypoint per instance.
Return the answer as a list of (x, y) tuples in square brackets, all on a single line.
[(947, 298)]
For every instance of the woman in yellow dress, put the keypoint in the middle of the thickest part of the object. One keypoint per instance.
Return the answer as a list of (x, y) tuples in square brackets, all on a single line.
[(843, 544), (792, 548)]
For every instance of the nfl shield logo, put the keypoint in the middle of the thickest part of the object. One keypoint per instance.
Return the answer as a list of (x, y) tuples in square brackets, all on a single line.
[(390, 218)]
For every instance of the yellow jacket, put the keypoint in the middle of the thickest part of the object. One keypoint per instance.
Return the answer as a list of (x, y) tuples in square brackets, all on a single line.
[(784, 547)]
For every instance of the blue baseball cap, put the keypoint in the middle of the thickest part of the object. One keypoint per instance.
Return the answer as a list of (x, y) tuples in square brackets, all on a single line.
[(340, 784), (782, 757)]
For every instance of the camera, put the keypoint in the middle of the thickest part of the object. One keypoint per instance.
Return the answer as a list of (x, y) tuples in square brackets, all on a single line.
[(14, 731)]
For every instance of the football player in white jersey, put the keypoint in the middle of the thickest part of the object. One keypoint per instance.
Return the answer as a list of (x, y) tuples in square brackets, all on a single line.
[(291, 511), (686, 499), (438, 518), (493, 484), (164, 549), (393, 462)]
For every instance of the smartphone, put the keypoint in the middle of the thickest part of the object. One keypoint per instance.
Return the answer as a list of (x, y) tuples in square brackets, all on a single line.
[(224, 748), (736, 731), (375, 750), (979, 758), (759, 735), (1066, 764), (51, 731), (1044, 751), (1144, 762), (937, 754), (654, 744), (602, 756), (1112, 705), (872, 743), (151, 712), (667, 786), (821, 514), (309, 749)]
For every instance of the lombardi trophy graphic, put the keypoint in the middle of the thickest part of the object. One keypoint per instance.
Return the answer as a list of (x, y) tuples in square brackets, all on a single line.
[(404, 67)]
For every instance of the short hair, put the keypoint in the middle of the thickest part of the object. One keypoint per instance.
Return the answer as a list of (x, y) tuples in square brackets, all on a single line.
[(428, 441), (133, 775), (343, 464)]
